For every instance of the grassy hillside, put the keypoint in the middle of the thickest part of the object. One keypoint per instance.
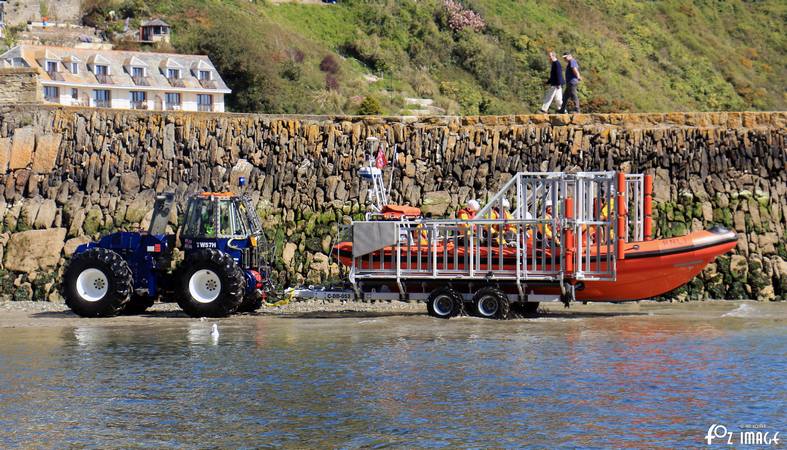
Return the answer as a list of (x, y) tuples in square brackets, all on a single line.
[(635, 55)]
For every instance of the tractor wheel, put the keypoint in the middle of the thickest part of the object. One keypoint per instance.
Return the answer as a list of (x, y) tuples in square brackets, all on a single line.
[(250, 303), (138, 304), (97, 283), (444, 303), (491, 303), (211, 284)]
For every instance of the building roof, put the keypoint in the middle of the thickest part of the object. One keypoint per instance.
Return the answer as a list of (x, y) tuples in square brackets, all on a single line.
[(119, 63), (155, 22)]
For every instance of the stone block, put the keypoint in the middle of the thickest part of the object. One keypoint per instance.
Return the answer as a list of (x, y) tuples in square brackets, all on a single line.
[(34, 250), (47, 149), (22, 148)]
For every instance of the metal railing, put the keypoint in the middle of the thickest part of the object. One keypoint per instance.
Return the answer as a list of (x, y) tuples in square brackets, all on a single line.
[(561, 226), (141, 81), (204, 107), (450, 249), (104, 78)]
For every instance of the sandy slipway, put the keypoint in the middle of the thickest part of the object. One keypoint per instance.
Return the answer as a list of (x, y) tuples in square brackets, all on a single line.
[(47, 314)]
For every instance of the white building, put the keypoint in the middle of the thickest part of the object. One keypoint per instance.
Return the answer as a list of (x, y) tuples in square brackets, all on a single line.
[(122, 79)]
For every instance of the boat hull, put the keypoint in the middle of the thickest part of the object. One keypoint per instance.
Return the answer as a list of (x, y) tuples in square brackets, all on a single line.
[(649, 268)]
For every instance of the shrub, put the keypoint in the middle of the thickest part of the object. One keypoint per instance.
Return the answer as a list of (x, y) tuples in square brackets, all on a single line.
[(291, 70), (331, 82), (329, 64), (460, 18), (370, 106), (296, 55), (466, 95)]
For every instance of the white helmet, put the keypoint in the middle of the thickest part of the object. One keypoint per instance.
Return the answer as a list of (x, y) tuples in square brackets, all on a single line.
[(548, 203), (505, 203), (473, 205)]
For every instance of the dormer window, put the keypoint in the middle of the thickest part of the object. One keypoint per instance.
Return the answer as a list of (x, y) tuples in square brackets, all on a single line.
[(173, 74), (138, 72), (100, 69), (203, 75), (51, 66), (75, 68)]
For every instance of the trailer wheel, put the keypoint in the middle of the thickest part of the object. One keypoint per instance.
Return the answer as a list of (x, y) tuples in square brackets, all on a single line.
[(138, 304), (211, 284), (97, 283), (491, 303), (444, 303)]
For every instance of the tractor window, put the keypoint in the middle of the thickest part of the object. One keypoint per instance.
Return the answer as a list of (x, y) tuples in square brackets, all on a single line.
[(200, 219), (243, 218), (225, 218)]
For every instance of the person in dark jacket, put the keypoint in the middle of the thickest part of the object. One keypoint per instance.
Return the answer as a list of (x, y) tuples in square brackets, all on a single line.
[(554, 83), (572, 83)]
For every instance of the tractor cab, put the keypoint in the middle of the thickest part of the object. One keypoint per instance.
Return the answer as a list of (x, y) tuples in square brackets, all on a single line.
[(227, 222)]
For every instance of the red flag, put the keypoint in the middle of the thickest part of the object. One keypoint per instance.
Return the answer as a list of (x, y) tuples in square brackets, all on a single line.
[(381, 161)]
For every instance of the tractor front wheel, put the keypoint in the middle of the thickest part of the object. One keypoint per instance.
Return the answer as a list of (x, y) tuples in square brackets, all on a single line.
[(212, 284), (97, 283)]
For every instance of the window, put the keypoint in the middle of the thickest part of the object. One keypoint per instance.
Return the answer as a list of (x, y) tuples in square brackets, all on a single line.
[(173, 73), (51, 66), (75, 68), (51, 93), (172, 100), (100, 69), (204, 102), (74, 93), (204, 75), (138, 99), (137, 72), (102, 97)]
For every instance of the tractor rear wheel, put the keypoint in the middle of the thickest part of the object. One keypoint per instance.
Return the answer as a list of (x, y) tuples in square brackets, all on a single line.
[(211, 285), (138, 304), (97, 283), (491, 303), (444, 303)]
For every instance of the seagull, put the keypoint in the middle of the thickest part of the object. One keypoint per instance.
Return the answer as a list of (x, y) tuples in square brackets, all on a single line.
[(214, 333)]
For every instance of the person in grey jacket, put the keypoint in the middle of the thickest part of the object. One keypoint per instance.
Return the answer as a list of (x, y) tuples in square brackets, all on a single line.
[(572, 83)]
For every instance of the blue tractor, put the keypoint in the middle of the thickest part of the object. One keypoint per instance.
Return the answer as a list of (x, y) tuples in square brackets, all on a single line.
[(224, 270)]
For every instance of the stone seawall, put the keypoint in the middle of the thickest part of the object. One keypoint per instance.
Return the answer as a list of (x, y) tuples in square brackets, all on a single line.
[(69, 175)]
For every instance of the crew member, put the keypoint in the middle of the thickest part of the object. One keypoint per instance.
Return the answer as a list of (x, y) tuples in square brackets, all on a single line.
[(466, 214)]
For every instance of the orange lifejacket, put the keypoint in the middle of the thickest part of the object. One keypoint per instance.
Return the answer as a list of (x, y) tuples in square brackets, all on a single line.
[(465, 214), (421, 235)]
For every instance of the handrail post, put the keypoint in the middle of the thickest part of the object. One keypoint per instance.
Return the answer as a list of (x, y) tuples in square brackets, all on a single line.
[(621, 188), (569, 235), (648, 208)]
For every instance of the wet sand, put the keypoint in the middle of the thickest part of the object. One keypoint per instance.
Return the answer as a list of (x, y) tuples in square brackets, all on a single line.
[(45, 314)]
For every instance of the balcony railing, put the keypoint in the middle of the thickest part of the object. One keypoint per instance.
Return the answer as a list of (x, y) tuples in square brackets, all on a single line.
[(176, 82), (205, 108), (141, 81), (208, 84), (103, 103), (172, 106), (55, 75), (104, 79), (139, 105), (52, 99)]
